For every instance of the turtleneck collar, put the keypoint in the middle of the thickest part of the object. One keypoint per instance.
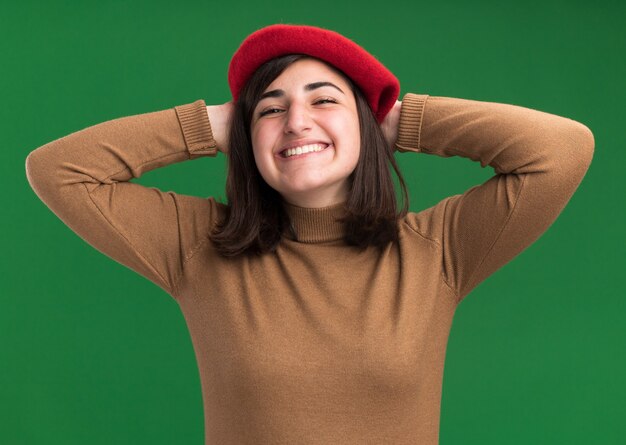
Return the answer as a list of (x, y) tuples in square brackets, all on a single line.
[(316, 225)]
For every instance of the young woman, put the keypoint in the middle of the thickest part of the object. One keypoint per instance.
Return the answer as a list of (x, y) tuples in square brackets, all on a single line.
[(319, 311)]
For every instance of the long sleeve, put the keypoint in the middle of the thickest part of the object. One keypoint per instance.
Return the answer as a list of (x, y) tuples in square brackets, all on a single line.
[(84, 178), (539, 160)]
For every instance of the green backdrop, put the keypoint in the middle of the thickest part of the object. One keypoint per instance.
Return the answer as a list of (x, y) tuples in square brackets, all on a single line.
[(92, 353)]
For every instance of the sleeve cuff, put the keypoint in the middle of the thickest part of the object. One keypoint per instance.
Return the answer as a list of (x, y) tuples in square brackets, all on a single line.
[(410, 124), (194, 122)]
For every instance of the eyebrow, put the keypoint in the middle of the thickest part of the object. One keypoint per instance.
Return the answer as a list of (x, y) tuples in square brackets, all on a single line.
[(307, 87)]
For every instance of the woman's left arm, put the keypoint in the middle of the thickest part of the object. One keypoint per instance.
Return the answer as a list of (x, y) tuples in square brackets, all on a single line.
[(539, 160)]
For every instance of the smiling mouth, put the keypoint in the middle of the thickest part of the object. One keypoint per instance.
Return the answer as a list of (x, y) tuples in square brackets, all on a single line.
[(305, 149)]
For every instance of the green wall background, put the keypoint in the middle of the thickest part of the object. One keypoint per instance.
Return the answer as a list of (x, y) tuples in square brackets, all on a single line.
[(92, 353)]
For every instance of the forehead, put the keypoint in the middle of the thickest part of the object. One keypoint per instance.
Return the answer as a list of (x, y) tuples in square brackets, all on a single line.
[(307, 70)]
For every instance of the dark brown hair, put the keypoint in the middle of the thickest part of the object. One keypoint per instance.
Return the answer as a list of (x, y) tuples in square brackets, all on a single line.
[(255, 219)]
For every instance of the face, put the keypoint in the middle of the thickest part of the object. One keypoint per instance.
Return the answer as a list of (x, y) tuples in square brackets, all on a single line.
[(305, 134)]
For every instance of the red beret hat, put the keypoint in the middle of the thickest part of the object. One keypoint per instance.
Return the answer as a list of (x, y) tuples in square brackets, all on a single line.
[(380, 87)]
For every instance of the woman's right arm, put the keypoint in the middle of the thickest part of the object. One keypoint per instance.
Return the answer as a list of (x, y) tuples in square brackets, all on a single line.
[(84, 178)]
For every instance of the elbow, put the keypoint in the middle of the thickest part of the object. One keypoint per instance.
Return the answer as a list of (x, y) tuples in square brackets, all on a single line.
[(585, 142), (38, 173), (578, 155), (572, 141), (580, 145), (30, 166)]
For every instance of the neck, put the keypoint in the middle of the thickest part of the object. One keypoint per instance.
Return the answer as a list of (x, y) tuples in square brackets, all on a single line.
[(316, 224)]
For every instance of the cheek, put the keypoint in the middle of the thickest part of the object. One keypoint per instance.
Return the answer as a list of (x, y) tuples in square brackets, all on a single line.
[(259, 147), (261, 162), (351, 129), (261, 138), (354, 139), (264, 162)]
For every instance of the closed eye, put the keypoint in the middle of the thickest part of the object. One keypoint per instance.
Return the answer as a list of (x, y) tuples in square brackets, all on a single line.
[(326, 100), (274, 110), (268, 111)]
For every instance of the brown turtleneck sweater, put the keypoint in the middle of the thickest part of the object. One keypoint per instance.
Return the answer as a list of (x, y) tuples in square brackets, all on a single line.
[(319, 343)]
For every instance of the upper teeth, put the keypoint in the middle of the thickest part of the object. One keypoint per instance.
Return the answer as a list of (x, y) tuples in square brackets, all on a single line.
[(303, 149)]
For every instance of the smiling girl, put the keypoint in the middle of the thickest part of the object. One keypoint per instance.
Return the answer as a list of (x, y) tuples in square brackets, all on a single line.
[(319, 311)]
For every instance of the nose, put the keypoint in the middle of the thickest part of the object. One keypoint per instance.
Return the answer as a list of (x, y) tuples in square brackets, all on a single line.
[(298, 119)]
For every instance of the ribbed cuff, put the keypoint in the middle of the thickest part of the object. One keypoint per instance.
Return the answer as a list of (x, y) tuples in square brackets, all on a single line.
[(194, 121), (410, 124)]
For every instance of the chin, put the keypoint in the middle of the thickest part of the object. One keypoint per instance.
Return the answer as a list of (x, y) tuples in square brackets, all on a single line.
[(305, 188)]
